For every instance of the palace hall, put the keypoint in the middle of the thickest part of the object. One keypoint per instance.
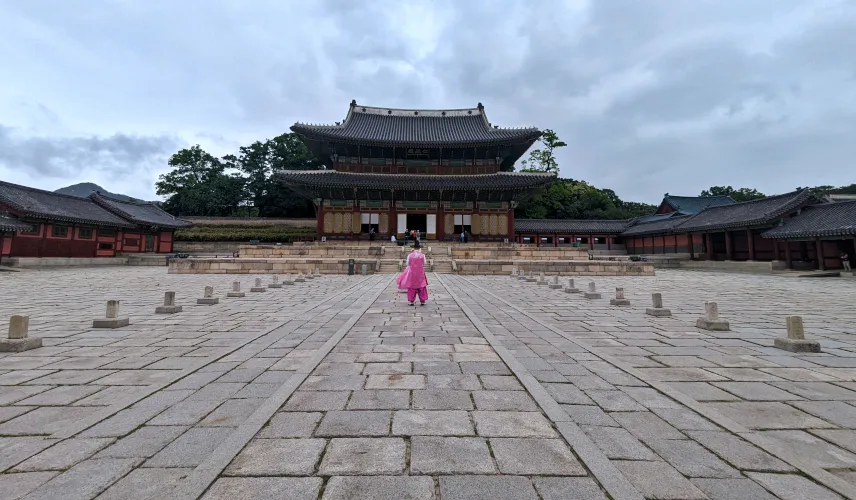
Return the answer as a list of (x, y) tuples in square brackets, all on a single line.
[(440, 172)]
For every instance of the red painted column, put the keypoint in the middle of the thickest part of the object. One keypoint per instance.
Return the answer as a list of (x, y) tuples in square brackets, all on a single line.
[(537, 240), (751, 240), (609, 242), (511, 234), (729, 246), (319, 224), (440, 233), (708, 240), (821, 264), (788, 261), (691, 242)]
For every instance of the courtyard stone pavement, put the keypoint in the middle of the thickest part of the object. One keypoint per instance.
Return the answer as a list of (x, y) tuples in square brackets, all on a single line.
[(496, 389)]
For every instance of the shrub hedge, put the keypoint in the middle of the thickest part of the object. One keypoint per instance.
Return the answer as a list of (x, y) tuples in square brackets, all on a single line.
[(245, 233)]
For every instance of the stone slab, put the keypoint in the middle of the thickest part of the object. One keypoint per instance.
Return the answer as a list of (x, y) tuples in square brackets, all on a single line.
[(20, 345)]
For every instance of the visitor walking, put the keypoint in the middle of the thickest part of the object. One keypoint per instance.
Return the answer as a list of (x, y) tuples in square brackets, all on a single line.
[(392, 239), (413, 278), (463, 236), (845, 261), (371, 234)]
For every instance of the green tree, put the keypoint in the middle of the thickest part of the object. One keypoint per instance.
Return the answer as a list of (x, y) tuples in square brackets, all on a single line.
[(572, 199), (543, 159), (738, 195), (199, 185)]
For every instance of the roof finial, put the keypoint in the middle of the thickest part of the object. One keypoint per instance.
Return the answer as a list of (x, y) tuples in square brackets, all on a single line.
[(481, 107), (353, 103)]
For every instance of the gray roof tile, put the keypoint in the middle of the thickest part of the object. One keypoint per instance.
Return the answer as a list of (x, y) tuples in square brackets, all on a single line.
[(415, 182), (695, 204), (147, 214), (40, 204), (660, 225), (749, 213), (10, 224), (569, 226), (388, 126), (826, 219)]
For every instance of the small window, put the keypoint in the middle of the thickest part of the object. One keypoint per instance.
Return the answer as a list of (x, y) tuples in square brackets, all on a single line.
[(107, 232), (60, 231), (36, 229), (84, 233), (105, 246)]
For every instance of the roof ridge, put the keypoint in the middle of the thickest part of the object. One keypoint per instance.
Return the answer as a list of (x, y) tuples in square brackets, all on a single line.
[(54, 193), (127, 202)]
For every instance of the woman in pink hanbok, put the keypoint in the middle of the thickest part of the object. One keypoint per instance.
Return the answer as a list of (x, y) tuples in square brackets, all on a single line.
[(413, 278)]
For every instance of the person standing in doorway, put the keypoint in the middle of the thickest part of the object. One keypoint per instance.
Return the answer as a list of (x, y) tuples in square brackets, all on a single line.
[(371, 234), (845, 261), (463, 236)]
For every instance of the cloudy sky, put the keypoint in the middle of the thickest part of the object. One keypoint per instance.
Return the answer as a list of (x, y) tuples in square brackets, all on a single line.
[(650, 95)]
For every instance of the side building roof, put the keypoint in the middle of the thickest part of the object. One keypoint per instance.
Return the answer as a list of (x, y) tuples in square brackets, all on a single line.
[(746, 214), (826, 219), (656, 226), (570, 226), (11, 224), (39, 204), (695, 204), (142, 213)]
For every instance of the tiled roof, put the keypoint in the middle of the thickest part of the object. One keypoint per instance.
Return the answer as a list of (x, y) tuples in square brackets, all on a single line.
[(749, 213), (147, 214), (569, 226), (695, 204), (40, 204), (9, 223), (387, 126), (660, 225), (827, 219), (654, 217), (331, 179)]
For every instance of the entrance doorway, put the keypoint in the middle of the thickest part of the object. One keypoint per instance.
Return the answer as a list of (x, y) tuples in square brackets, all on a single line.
[(418, 222), (150, 243)]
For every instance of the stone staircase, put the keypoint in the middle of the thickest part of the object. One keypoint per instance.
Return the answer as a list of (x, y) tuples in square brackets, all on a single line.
[(443, 266), (388, 267)]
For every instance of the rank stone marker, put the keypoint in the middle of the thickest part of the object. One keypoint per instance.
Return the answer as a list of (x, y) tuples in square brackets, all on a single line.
[(288, 280), (19, 339), (796, 341), (541, 279), (274, 283), (521, 275), (592, 292), (208, 298), (657, 309), (168, 306), (236, 290), (112, 320), (258, 287), (555, 285), (619, 299), (571, 288), (299, 278), (711, 320)]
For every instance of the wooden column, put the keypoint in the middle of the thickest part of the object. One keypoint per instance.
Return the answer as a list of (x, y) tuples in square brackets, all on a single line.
[(691, 242), (440, 228), (319, 224), (591, 242), (751, 244), (555, 240), (511, 233), (821, 265), (676, 243), (729, 246), (609, 242), (708, 243), (537, 240), (788, 261)]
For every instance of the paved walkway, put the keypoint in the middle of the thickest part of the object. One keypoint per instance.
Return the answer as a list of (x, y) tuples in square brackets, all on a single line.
[(497, 389)]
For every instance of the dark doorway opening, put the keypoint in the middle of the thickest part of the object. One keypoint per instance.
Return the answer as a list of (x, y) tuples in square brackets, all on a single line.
[(418, 222), (150, 243)]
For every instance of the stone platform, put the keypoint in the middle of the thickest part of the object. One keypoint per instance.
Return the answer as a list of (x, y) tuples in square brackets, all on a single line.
[(217, 265)]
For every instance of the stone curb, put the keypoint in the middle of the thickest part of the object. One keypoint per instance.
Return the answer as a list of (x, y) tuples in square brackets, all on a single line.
[(618, 486), (206, 473), (820, 475)]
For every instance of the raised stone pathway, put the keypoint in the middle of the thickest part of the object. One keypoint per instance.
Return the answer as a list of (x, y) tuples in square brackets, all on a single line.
[(497, 389)]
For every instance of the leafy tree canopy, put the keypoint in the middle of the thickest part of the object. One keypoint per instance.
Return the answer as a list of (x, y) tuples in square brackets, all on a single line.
[(542, 159), (241, 184), (742, 194)]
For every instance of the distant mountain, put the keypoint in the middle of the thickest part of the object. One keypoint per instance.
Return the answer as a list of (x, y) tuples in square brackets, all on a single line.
[(84, 189)]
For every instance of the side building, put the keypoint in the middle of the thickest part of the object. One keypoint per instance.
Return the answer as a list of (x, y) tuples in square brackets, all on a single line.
[(37, 223), (440, 172), (797, 229)]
